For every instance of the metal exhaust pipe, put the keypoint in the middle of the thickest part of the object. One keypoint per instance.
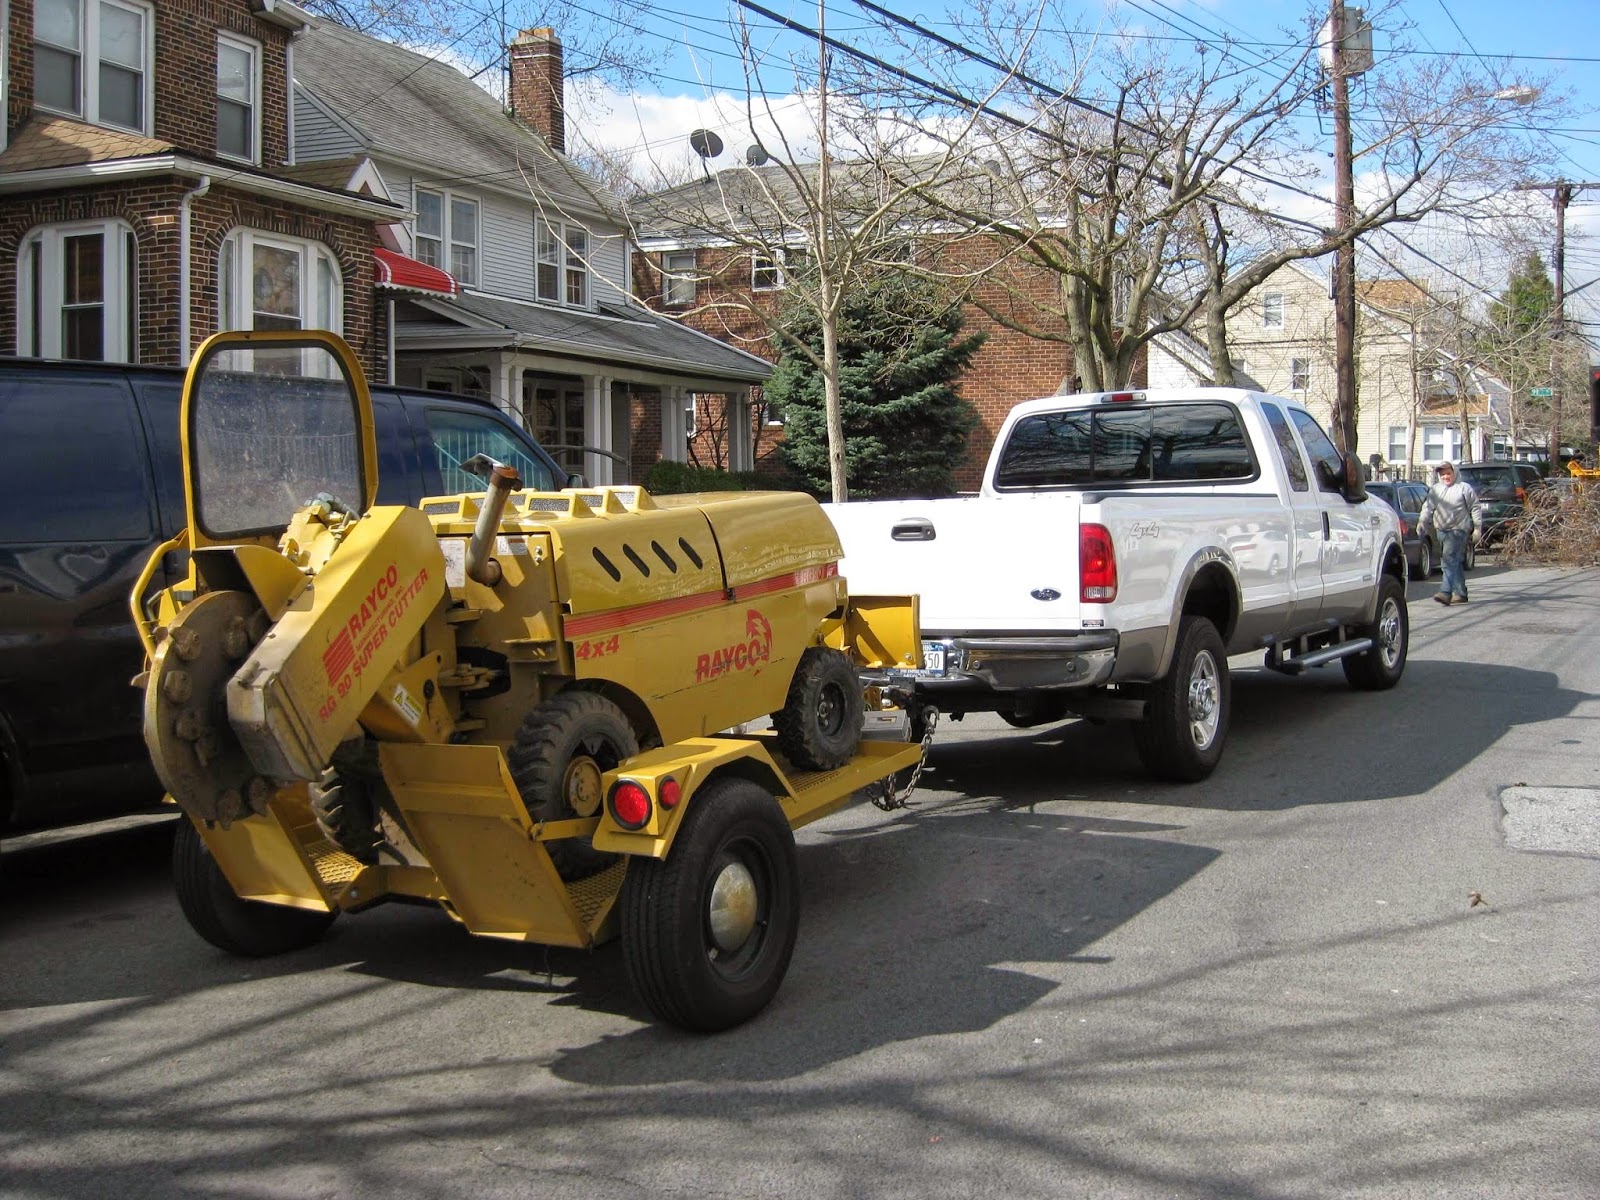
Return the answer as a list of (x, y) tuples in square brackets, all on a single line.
[(480, 567)]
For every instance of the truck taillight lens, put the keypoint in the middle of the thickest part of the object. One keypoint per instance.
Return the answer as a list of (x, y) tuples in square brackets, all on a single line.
[(630, 804), (1522, 495), (1097, 565)]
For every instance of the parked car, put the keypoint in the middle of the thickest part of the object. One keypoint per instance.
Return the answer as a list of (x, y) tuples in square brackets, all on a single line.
[(1423, 554), (1502, 489), (91, 480)]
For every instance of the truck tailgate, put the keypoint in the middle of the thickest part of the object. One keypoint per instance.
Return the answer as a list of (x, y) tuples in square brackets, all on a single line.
[(978, 563)]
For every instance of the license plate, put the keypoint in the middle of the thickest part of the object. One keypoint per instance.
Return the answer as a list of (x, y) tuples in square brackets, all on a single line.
[(932, 658)]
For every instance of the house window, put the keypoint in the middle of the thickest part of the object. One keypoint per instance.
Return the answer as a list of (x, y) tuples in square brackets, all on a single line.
[(1440, 442), (269, 282), (238, 98), (677, 279), (76, 289), (90, 59), (429, 238), (769, 274), (1272, 310), (1299, 374), (464, 240), (446, 220), (562, 251), (1399, 449), (691, 413)]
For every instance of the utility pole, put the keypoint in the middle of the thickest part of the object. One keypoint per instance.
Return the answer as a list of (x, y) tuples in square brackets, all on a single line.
[(1346, 50), (1561, 194)]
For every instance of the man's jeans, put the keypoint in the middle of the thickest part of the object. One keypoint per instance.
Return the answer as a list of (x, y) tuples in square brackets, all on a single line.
[(1453, 545)]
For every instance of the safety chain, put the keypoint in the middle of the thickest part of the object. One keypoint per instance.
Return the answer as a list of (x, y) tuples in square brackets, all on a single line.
[(885, 795)]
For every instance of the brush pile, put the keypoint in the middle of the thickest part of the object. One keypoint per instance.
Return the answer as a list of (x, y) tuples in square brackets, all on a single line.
[(1560, 526)]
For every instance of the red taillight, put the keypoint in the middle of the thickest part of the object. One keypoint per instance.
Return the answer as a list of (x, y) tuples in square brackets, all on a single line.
[(670, 793), (630, 804), (1522, 495), (1120, 396), (1405, 527), (1097, 565)]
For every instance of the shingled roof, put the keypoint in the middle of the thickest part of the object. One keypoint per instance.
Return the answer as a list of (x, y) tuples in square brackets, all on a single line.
[(404, 105)]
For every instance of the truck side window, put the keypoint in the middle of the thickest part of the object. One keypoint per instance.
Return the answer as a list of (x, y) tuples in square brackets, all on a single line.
[(457, 436), (1320, 448), (1199, 441), (75, 455), (1288, 452)]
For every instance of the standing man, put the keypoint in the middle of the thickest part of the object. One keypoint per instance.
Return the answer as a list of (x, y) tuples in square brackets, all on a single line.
[(1453, 508)]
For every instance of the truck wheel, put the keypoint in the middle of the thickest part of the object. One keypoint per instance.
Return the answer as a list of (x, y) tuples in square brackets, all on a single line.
[(707, 933), (243, 927), (1181, 737), (820, 725), (556, 760), (1380, 668)]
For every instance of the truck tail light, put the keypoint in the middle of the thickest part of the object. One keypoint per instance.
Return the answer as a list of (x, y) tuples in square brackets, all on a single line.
[(630, 804), (1522, 495), (1097, 565)]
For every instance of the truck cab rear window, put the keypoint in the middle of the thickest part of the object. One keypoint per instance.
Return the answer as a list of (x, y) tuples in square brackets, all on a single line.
[(1122, 444)]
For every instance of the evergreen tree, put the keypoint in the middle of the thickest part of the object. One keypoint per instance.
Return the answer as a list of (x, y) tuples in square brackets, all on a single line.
[(1527, 304), (906, 427)]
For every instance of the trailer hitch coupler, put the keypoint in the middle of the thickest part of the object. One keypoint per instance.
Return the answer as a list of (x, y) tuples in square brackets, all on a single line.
[(480, 567)]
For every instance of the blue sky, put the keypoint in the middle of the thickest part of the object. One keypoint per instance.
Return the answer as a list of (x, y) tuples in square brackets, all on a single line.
[(1551, 42)]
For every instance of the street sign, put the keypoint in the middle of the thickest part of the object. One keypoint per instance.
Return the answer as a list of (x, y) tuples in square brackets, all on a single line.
[(1541, 393)]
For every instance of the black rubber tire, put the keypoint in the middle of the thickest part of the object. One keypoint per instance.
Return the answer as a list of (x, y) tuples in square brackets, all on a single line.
[(1166, 745), (1424, 567), (562, 733), (820, 725), (1380, 668), (243, 927), (668, 947)]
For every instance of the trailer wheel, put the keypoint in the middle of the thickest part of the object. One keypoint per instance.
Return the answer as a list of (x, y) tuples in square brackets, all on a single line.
[(820, 725), (243, 927), (707, 933), (556, 760), (1181, 737)]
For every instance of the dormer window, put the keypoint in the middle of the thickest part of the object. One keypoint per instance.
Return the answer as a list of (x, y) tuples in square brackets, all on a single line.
[(563, 262), (91, 60), (238, 98)]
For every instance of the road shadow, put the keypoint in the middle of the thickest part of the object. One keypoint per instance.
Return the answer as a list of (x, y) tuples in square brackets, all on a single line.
[(1296, 741)]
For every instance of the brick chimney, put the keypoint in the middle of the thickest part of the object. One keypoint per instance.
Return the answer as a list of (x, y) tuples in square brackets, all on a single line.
[(538, 89)]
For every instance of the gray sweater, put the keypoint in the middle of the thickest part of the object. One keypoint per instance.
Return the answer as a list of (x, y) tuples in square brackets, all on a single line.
[(1453, 507)]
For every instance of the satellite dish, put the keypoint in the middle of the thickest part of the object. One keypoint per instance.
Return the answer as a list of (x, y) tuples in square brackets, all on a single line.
[(756, 155), (705, 143)]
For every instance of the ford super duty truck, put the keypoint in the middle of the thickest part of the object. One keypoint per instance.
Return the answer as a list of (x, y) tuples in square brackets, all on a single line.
[(1123, 546)]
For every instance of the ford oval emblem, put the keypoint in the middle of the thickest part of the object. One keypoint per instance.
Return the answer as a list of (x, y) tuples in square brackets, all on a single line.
[(1045, 594)]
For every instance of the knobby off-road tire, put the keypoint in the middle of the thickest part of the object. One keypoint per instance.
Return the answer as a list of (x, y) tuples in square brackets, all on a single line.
[(243, 927), (1183, 732), (556, 760), (708, 932), (820, 725), (1380, 668)]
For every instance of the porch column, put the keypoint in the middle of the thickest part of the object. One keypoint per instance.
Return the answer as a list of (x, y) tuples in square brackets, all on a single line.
[(505, 385), (597, 422), (741, 446), (674, 429)]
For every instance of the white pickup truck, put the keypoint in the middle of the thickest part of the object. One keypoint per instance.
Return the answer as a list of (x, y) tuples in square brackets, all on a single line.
[(1124, 544)]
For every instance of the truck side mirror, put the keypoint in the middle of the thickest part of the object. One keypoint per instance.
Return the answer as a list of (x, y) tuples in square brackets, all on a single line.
[(1353, 487)]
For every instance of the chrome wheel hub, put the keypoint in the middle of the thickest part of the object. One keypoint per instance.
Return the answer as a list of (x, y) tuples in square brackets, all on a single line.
[(733, 908), (1205, 700), (1390, 635)]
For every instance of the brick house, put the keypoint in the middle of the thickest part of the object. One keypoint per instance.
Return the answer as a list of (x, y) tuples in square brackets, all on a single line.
[(684, 267), (146, 199), (510, 278)]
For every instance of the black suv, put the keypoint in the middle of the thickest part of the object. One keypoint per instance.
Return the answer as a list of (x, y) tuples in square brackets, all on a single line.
[(1502, 489), (91, 480)]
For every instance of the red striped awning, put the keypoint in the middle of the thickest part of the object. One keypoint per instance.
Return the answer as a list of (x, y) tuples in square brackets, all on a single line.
[(408, 275)]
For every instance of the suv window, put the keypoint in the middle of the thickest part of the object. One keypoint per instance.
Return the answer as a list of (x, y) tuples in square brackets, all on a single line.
[(1321, 449), (1123, 444), (75, 461), (457, 436), (1411, 497)]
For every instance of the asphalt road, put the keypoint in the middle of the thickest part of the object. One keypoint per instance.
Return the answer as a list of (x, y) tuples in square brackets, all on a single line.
[(1050, 978)]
